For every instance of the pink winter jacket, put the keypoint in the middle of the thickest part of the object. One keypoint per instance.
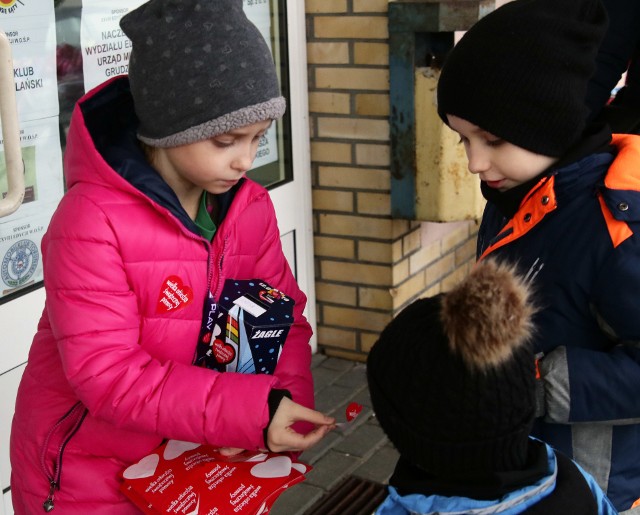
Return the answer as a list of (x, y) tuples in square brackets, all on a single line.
[(110, 373)]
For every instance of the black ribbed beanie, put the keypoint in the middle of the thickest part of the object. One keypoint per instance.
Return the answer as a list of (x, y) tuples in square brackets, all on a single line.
[(521, 72), (198, 68), (452, 377)]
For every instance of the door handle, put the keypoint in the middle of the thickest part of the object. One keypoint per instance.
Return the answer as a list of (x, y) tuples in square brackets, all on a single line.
[(10, 132)]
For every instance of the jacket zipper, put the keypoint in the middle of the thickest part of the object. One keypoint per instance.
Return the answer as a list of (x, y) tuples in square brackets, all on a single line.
[(216, 290), (76, 415)]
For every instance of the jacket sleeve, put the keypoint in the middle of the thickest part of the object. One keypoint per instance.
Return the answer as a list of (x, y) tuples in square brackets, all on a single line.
[(96, 322), (294, 366), (605, 506), (586, 385)]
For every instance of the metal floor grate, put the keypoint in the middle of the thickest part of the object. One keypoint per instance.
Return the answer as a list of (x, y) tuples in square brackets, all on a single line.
[(353, 496)]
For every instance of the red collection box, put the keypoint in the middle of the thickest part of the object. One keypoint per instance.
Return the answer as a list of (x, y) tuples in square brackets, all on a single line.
[(191, 479)]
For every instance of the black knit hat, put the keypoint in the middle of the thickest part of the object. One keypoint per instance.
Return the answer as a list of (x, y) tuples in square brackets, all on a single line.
[(198, 68), (452, 377), (521, 72)]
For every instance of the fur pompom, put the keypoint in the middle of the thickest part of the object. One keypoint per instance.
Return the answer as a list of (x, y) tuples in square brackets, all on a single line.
[(488, 315)]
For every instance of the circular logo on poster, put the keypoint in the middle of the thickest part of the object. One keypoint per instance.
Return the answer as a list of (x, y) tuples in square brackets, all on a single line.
[(8, 6), (19, 263)]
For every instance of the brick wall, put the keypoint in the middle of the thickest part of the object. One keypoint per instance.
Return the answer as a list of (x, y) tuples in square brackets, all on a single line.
[(368, 265)]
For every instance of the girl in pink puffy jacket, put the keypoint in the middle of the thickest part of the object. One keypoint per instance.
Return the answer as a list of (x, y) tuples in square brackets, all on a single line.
[(159, 228)]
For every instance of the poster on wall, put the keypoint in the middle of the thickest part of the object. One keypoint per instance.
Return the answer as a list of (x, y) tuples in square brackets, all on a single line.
[(30, 29), (258, 11), (22, 231), (106, 50)]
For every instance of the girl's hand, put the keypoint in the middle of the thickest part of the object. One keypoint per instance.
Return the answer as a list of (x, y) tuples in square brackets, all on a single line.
[(281, 437), (230, 451)]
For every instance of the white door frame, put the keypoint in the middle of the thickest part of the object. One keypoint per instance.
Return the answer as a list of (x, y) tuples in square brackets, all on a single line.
[(293, 200)]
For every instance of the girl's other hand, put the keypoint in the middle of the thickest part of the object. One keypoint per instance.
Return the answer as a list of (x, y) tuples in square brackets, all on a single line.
[(230, 451), (281, 437)]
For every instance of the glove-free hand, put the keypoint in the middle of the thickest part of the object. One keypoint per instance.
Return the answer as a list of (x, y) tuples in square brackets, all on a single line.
[(281, 437), (230, 451)]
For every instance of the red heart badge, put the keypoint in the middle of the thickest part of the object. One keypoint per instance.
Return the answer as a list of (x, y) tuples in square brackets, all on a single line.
[(223, 352), (174, 295), (353, 410)]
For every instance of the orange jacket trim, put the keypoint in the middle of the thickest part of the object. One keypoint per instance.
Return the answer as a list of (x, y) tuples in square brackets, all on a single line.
[(618, 230), (619, 178), (533, 209)]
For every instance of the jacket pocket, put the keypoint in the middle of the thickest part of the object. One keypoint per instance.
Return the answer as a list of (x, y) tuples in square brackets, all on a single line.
[(53, 449)]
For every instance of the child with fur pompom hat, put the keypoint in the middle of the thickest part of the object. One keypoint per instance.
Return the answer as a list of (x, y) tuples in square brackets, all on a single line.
[(453, 384)]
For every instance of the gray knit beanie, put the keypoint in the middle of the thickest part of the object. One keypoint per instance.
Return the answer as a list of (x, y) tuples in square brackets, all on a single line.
[(198, 68)]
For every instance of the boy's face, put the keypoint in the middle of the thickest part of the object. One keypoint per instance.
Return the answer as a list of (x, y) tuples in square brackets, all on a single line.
[(215, 164), (500, 164)]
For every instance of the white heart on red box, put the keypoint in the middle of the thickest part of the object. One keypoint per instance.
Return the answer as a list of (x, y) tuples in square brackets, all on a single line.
[(146, 467), (176, 448), (258, 457), (300, 467), (280, 466)]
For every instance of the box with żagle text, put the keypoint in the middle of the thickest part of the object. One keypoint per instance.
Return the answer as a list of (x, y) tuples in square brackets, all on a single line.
[(246, 328)]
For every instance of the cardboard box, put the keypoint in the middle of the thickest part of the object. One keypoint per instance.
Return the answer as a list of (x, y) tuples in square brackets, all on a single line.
[(248, 328), (189, 479)]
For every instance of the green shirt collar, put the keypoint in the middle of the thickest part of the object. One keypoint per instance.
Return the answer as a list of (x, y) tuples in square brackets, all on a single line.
[(203, 220)]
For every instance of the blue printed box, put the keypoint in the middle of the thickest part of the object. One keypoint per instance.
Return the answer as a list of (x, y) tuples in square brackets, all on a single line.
[(252, 323)]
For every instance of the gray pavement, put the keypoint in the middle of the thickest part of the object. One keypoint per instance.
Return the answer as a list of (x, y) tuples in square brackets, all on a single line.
[(362, 450)]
